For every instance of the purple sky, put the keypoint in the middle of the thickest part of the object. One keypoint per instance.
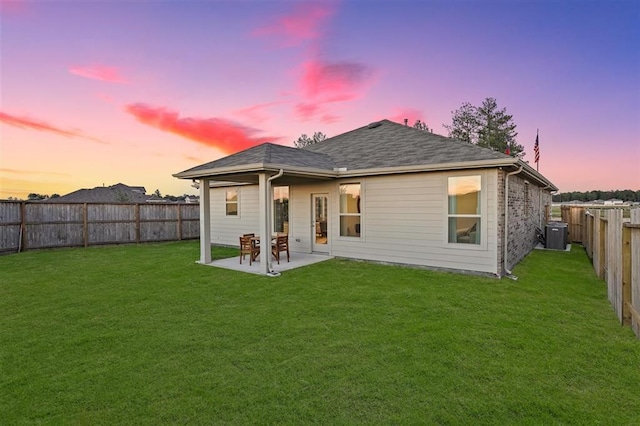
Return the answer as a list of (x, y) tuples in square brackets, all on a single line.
[(97, 93)]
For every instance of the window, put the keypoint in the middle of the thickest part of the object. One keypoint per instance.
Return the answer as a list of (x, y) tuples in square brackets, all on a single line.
[(464, 193), (350, 214), (231, 202), (281, 209)]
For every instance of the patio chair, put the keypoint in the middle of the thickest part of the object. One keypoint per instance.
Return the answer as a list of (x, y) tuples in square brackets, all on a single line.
[(280, 244), (248, 246)]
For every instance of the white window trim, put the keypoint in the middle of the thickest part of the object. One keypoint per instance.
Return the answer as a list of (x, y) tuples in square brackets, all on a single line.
[(361, 214), (227, 202), (483, 211)]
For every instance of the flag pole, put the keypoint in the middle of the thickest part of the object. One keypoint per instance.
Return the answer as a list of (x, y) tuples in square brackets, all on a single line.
[(536, 150)]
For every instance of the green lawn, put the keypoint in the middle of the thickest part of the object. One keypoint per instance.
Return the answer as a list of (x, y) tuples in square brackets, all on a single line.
[(140, 334)]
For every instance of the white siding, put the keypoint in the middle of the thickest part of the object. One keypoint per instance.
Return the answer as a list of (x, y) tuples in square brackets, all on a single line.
[(403, 221), (225, 229), (301, 230)]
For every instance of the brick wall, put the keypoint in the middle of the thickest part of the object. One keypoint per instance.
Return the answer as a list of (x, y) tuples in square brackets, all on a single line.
[(526, 213)]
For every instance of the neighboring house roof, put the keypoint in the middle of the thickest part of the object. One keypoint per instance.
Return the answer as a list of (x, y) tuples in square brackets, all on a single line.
[(119, 193), (382, 147)]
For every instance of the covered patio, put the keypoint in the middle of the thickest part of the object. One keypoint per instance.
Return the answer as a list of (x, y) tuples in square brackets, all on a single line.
[(261, 165), (298, 260)]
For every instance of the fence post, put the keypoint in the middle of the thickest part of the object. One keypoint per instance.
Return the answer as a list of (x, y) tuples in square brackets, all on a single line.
[(136, 214), (626, 275), (85, 225), (179, 221), (22, 245), (547, 214), (587, 234), (634, 301), (614, 260), (598, 246)]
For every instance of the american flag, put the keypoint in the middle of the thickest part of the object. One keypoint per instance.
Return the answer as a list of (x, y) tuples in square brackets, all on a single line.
[(536, 151)]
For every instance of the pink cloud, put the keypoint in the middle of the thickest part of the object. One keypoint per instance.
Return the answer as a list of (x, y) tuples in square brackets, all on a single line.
[(225, 135), (329, 118), (99, 72), (324, 83), (256, 113), (336, 82), (13, 6), (28, 123), (307, 111), (304, 23)]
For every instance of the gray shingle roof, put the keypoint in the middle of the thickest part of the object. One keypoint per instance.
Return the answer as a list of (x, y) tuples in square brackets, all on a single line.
[(119, 193), (268, 153), (389, 144), (379, 146)]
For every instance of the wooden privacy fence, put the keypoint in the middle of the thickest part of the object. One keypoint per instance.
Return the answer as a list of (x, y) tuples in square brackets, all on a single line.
[(573, 217), (614, 249), (36, 225)]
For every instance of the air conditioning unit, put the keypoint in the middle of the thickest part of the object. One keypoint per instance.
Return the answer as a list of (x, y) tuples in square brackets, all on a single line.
[(556, 235)]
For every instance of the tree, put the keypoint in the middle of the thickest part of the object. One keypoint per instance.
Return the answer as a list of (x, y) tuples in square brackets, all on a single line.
[(465, 124), (421, 125), (157, 193), (486, 126), (35, 196), (305, 140)]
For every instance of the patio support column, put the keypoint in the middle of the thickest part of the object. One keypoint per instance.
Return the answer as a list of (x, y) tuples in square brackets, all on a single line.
[(265, 232), (205, 222)]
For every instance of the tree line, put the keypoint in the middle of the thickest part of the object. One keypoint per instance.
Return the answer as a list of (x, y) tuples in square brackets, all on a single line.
[(624, 195)]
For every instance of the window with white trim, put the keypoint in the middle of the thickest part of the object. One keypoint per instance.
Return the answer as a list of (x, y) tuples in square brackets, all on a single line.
[(464, 209), (350, 213), (231, 202)]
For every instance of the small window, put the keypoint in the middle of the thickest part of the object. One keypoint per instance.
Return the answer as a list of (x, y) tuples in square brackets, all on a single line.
[(350, 214), (231, 202), (464, 197)]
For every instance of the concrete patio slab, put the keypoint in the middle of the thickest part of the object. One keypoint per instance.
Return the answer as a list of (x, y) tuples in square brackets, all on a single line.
[(297, 260)]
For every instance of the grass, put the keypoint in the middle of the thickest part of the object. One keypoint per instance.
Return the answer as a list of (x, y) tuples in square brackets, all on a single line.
[(140, 334)]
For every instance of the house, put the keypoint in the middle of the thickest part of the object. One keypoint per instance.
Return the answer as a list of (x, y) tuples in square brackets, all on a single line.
[(118, 193), (384, 192)]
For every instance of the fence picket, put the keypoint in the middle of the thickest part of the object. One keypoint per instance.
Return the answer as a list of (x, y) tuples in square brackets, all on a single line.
[(615, 249)]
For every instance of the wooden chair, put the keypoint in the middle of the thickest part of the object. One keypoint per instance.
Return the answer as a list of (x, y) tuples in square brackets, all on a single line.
[(280, 244), (248, 246)]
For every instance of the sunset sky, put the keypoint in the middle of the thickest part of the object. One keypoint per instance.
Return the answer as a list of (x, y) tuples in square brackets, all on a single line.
[(132, 91)]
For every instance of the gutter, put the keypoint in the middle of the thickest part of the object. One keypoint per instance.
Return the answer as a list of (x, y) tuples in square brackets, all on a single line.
[(506, 222)]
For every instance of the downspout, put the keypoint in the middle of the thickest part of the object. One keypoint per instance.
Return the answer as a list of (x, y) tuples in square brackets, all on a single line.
[(540, 207), (506, 221), (271, 272)]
